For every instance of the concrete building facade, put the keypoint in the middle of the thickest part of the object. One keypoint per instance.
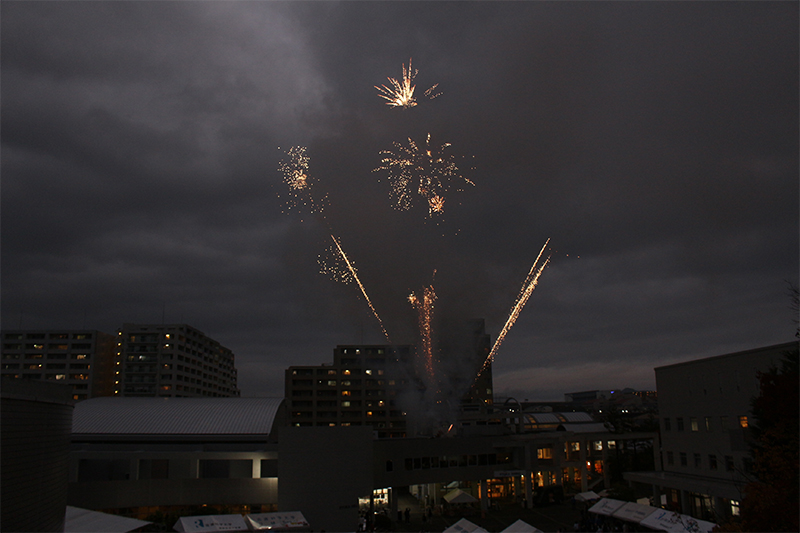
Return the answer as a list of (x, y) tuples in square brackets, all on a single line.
[(172, 360), (705, 416), (82, 359)]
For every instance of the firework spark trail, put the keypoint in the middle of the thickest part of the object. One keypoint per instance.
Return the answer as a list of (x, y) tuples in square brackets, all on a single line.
[(354, 273), (522, 298), (424, 307), (297, 178), (428, 172), (401, 93)]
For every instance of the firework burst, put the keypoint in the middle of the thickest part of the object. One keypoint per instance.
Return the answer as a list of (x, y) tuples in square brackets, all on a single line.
[(401, 93), (428, 172), (299, 182)]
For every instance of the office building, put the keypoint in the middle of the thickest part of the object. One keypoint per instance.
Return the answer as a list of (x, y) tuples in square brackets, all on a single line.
[(705, 417), (82, 359), (172, 360)]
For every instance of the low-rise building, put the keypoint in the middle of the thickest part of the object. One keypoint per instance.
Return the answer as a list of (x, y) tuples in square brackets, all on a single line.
[(705, 415)]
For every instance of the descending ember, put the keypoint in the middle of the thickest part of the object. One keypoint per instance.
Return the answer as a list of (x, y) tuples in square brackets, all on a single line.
[(352, 269), (296, 177), (424, 306), (401, 93), (428, 172), (525, 292)]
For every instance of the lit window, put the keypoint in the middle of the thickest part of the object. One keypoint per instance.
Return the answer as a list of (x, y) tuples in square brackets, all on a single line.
[(742, 421), (598, 445), (544, 453), (693, 423), (734, 508)]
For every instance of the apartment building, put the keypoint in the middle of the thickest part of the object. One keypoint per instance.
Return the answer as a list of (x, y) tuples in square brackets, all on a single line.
[(82, 359), (393, 388), (705, 415), (173, 360)]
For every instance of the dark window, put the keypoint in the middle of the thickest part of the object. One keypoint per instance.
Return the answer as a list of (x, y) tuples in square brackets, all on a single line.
[(712, 462), (729, 466), (226, 468), (103, 469), (679, 422), (697, 460), (154, 469), (389, 466), (684, 461), (269, 468), (670, 458)]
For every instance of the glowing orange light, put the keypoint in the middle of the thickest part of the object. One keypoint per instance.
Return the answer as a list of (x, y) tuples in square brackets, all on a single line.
[(401, 93)]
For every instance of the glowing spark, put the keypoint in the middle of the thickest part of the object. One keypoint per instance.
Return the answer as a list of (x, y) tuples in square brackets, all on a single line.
[(296, 177), (428, 172), (522, 298), (401, 93), (334, 266), (424, 306), (352, 269)]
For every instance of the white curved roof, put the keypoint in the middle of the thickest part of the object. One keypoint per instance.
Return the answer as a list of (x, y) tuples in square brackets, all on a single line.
[(175, 416)]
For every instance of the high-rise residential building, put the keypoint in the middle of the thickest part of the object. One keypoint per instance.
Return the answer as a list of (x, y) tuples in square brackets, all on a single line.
[(82, 359), (392, 387), (172, 360)]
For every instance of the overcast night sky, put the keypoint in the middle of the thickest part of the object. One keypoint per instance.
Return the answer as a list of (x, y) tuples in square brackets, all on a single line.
[(654, 143)]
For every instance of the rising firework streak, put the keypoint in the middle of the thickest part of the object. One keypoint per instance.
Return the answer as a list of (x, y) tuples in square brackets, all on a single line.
[(424, 306), (525, 292), (352, 269)]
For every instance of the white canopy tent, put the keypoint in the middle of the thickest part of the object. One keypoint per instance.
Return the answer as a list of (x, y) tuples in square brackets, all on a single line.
[(675, 522), (606, 506), (459, 496), (77, 520), (291, 521), (633, 512), (200, 524), (651, 517), (520, 526), (465, 526), (587, 496)]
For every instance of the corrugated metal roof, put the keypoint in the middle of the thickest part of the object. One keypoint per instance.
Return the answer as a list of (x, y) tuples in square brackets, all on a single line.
[(544, 418), (577, 417), (175, 416), (596, 427)]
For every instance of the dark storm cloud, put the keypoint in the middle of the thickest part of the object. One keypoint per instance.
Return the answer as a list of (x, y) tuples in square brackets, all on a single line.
[(655, 143)]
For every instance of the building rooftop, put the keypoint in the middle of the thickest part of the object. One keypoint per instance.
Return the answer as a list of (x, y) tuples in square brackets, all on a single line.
[(175, 416)]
